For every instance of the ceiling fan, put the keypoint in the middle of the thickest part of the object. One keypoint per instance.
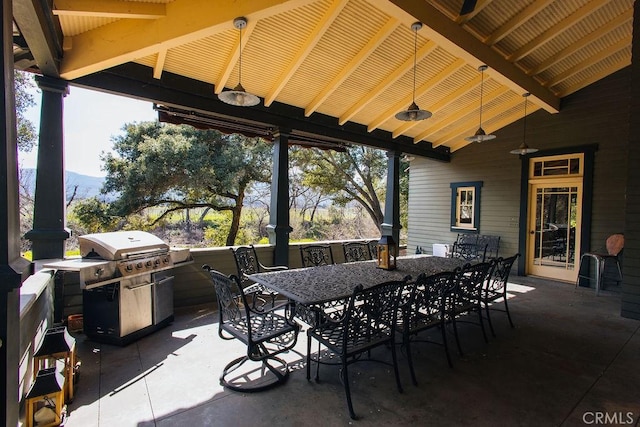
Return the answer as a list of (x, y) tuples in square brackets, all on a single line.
[(468, 6)]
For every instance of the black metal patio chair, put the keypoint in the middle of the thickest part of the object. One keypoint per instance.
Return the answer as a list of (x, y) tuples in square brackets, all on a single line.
[(373, 248), (316, 255), (367, 323), (467, 296), (247, 263), (356, 251), (426, 309), (265, 332), (496, 288)]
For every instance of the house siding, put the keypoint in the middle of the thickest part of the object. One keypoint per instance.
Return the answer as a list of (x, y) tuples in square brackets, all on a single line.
[(598, 114)]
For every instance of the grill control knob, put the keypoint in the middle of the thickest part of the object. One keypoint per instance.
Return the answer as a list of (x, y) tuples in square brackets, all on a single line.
[(129, 267), (139, 266), (99, 272)]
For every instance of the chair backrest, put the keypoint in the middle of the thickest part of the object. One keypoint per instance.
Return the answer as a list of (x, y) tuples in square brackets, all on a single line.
[(500, 273), (227, 290), (470, 280), (373, 248), (469, 251), (356, 251), (315, 255), (492, 246), (246, 261), (429, 296), (372, 313), (615, 244)]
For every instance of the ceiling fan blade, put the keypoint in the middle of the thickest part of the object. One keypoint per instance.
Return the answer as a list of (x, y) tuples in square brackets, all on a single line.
[(468, 6)]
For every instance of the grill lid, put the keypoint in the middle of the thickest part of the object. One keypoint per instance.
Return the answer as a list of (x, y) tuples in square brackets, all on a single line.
[(119, 245)]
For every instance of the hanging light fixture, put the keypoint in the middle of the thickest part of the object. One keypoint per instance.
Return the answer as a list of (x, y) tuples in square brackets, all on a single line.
[(414, 113), (524, 148), (480, 134), (238, 96)]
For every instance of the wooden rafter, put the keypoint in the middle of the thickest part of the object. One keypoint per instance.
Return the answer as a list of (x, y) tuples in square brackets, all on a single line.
[(231, 62), (322, 26), (110, 9)]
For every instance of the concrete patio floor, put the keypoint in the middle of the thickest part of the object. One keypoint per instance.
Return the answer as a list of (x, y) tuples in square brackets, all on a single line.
[(570, 360)]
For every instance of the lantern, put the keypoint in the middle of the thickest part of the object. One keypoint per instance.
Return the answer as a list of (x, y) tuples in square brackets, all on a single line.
[(387, 251), (45, 400), (58, 347)]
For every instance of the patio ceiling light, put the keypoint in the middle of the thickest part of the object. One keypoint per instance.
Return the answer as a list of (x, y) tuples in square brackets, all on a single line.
[(238, 96), (414, 113), (524, 148), (480, 134)]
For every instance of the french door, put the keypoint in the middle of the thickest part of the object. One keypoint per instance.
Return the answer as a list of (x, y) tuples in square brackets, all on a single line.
[(555, 216)]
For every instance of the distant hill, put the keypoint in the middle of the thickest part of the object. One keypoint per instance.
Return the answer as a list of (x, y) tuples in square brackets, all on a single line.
[(87, 186)]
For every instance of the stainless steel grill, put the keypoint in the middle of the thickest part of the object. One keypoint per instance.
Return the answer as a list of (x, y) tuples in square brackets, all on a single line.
[(126, 282)]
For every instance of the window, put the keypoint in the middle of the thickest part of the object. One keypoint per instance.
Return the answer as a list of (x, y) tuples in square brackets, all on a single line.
[(554, 166), (465, 206)]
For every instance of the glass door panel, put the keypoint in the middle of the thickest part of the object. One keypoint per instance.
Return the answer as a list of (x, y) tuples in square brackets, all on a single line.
[(554, 226)]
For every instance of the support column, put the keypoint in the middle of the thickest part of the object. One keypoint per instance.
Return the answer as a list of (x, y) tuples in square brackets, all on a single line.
[(49, 217), (391, 225), (279, 227), (13, 269)]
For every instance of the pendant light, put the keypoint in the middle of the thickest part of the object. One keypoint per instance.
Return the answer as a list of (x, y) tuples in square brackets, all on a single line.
[(524, 148), (414, 113), (238, 96), (480, 134)]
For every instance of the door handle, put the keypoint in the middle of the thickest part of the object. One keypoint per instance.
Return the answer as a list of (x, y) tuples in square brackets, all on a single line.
[(532, 232)]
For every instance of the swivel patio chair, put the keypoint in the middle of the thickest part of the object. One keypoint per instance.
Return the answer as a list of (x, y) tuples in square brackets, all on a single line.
[(356, 251), (247, 263), (611, 253), (316, 255), (496, 288), (467, 296), (367, 323), (265, 332), (426, 309)]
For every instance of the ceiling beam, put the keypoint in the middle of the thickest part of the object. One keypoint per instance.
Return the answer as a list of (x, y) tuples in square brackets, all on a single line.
[(625, 43), (471, 107), (396, 75), (109, 9), (558, 28), (437, 79), (621, 19), (232, 60), (323, 25), (480, 4), (379, 38), (612, 68), (128, 40), (136, 81), (452, 37), (159, 64), (43, 36), (523, 16)]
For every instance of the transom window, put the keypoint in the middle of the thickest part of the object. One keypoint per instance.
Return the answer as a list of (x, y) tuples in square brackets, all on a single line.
[(555, 166), (465, 206)]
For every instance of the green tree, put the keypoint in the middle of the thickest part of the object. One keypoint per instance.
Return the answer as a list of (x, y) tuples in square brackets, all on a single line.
[(356, 175), (27, 135), (180, 167)]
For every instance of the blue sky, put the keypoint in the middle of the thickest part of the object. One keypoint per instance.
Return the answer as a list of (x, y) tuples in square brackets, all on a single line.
[(91, 119)]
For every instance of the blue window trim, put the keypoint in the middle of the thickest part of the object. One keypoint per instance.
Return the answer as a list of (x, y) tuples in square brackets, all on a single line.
[(477, 185)]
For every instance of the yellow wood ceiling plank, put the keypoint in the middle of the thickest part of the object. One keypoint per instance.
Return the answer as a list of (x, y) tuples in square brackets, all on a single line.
[(109, 9), (403, 103), (584, 41), (315, 36), (426, 49), (610, 50), (458, 141), (618, 65), (462, 112), (159, 63), (186, 20), (558, 28), (517, 20), (364, 53), (460, 43), (450, 98), (231, 62)]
